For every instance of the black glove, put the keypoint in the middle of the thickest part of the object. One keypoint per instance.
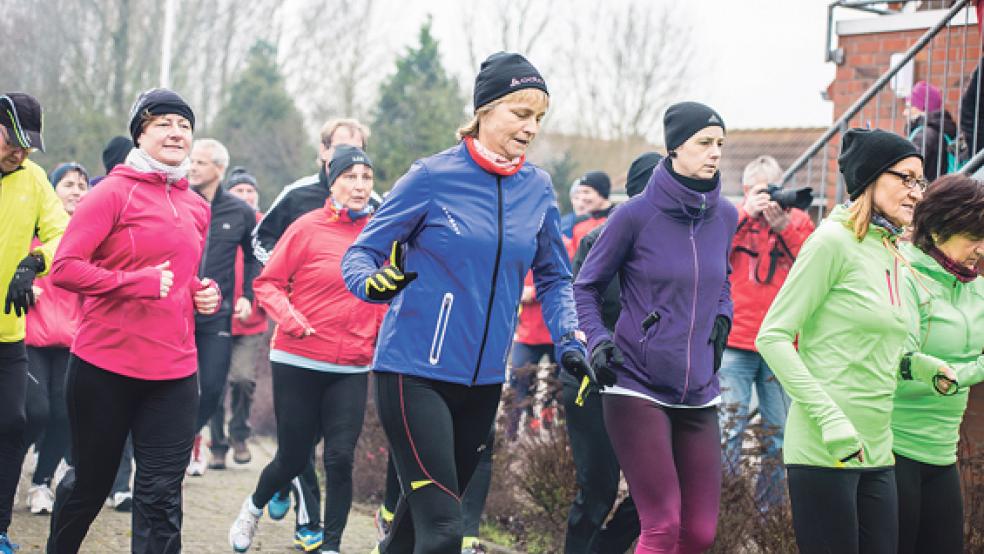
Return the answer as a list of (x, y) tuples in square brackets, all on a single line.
[(574, 363), (20, 293), (604, 358), (386, 282), (719, 338)]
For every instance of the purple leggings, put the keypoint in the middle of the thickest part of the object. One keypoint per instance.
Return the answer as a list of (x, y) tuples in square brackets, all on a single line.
[(671, 458)]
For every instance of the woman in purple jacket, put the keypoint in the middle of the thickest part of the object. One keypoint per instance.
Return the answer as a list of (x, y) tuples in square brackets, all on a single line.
[(669, 248)]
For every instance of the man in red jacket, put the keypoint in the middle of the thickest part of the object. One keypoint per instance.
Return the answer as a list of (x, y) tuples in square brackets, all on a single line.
[(762, 252)]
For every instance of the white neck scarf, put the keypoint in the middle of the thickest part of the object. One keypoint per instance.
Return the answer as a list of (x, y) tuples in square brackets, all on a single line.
[(142, 161)]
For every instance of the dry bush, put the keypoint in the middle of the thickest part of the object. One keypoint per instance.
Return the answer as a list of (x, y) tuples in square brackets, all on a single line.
[(972, 480)]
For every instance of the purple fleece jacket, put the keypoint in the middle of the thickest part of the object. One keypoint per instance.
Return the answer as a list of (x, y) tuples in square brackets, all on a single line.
[(669, 247)]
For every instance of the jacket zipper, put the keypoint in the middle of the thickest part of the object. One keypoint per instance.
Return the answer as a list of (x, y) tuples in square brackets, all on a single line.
[(495, 274), (167, 192), (693, 313)]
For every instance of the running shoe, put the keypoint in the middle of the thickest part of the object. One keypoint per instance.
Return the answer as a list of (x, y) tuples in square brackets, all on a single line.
[(383, 518), (244, 528), (216, 459), (121, 501), (7, 547), (196, 468), (40, 499), (308, 538), (241, 453), (278, 506)]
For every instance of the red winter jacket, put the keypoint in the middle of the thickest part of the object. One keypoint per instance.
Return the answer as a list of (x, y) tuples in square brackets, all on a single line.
[(752, 250), (582, 228), (532, 329), (123, 228), (54, 319), (301, 287), (257, 322)]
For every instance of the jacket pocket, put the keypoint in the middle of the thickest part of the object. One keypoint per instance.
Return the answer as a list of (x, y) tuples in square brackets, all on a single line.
[(437, 344)]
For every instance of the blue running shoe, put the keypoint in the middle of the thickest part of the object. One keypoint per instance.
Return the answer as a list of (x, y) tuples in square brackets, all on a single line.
[(308, 538), (278, 506), (7, 547)]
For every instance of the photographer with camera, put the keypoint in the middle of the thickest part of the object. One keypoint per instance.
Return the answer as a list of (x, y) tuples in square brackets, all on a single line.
[(771, 228)]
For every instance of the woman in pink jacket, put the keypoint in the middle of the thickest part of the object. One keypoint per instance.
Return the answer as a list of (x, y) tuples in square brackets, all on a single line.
[(132, 251)]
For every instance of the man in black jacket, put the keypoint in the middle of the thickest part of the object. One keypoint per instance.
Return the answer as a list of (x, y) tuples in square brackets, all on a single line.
[(230, 229)]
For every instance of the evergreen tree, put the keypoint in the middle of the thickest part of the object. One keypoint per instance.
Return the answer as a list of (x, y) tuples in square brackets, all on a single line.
[(420, 107), (262, 128)]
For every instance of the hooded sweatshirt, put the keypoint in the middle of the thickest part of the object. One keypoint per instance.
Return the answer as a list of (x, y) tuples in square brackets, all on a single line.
[(926, 136), (132, 222), (842, 300), (669, 247), (950, 326)]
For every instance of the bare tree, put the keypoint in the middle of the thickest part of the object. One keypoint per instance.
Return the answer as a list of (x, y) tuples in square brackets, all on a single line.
[(637, 62), (510, 25)]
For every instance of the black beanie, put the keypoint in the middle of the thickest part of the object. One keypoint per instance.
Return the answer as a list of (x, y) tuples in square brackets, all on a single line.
[(640, 171), (238, 176), (158, 101), (503, 73), (345, 157), (599, 181), (115, 152), (681, 121), (867, 153), (59, 172)]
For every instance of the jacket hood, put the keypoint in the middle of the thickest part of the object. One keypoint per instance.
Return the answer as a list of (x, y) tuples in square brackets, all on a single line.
[(676, 200), (153, 178), (932, 120)]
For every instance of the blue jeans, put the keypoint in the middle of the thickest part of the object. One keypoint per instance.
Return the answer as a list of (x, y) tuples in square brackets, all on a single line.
[(740, 370)]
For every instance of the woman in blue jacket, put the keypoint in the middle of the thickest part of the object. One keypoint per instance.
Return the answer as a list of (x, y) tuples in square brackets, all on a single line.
[(669, 247), (460, 229)]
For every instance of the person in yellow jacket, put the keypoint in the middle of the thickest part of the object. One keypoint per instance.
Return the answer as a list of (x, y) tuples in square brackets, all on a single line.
[(28, 207)]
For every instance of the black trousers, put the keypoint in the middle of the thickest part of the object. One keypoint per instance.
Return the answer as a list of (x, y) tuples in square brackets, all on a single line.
[(597, 473), (214, 356), (842, 511), (437, 432), (47, 418), (930, 507), (103, 408), (307, 404), (13, 388)]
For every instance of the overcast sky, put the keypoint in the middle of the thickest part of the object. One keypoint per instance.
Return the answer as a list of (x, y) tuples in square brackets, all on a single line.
[(759, 62)]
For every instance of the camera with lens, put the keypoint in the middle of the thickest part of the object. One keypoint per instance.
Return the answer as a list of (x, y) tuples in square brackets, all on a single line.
[(793, 198)]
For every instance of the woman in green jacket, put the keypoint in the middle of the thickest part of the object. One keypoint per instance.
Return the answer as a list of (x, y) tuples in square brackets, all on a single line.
[(842, 301), (947, 244)]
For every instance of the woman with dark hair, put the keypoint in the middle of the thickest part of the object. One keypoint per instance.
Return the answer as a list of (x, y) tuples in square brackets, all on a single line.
[(842, 302), (945, 292), (472, 221), (132, 251), (669, 247), (51, 326)]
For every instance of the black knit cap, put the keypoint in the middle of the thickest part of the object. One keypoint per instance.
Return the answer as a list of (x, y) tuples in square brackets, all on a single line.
[(238, 176), (640, 171), (682, 121), (345, 157), (503, 73), (158, 101), (867, 153), (115, 152), (599, 181)]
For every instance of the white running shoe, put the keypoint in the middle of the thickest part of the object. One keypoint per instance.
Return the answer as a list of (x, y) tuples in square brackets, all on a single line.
[(244, 528), (60, 472), (40, 499), (197, 465)]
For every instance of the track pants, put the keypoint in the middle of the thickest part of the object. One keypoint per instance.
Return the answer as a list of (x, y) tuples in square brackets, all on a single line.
[(437, 432), (842, 511), (307, 404), (931, 515), (671, 458), (104, 407), (214, 356), (47, 420), (13, 388)]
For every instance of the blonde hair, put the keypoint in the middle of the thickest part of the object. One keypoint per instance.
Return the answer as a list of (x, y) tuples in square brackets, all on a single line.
[(860, 212), (353, 125), (536, 98), (765, 167)]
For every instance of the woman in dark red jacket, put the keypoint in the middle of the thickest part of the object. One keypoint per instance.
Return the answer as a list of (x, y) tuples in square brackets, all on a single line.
[(321, 350), (132, 250)]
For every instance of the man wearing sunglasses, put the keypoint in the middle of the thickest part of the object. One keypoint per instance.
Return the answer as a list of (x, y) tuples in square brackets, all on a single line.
[(28, 207)]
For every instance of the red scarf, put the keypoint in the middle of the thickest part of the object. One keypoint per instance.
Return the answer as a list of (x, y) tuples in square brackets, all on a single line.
[(963, 273), (492, 162)]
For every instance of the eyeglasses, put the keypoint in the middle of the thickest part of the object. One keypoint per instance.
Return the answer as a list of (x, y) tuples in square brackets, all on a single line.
[(911, 181)]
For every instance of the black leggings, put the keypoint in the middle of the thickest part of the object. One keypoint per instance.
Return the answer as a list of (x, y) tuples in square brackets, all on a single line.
[(843, 511), (437, 432), (13, 387), (103, 407), (47, 418), (308, 402), (930, 507)]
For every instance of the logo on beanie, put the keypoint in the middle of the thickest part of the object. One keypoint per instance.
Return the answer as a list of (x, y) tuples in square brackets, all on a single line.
[(526, 80), (358, 160), (713, 119)]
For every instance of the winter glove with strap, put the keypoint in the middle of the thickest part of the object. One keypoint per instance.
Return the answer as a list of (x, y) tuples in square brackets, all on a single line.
[(387, 281), (20, 292)]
